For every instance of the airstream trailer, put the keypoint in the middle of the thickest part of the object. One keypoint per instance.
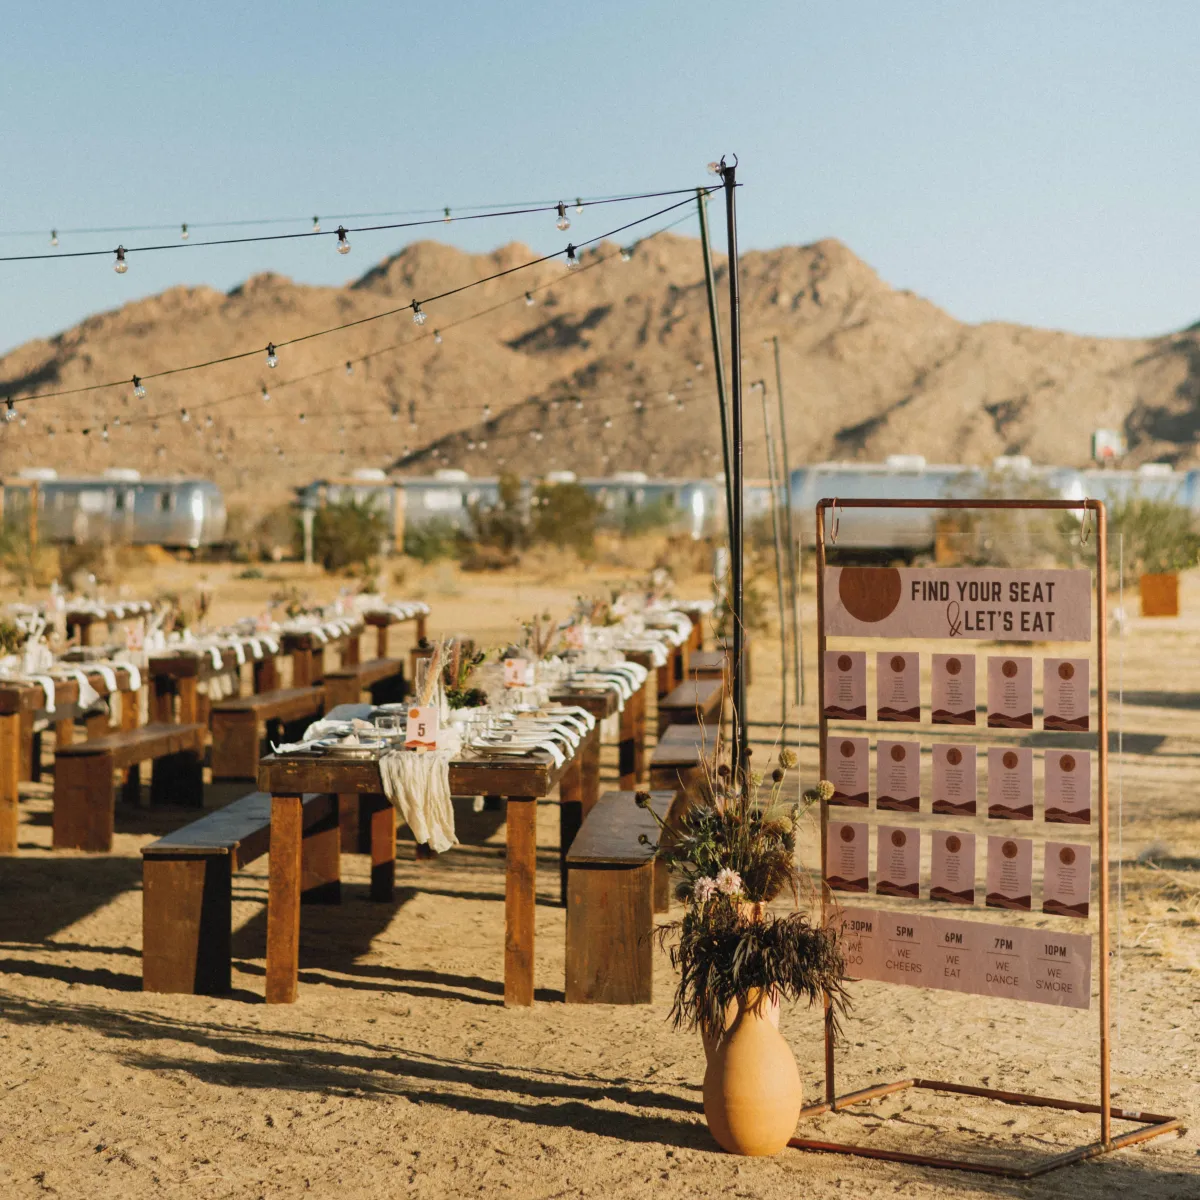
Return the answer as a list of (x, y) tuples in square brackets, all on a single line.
[(118, 506)]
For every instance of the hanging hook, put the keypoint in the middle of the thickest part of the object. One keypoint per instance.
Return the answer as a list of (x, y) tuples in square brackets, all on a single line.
[(836, 523), (1085, 526)]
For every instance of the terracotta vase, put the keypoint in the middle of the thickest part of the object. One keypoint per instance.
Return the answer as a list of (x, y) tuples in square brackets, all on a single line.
[(752, 1092), (749, 912)]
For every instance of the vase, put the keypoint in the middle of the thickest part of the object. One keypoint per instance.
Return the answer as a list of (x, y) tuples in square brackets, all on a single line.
[(752, 1091)]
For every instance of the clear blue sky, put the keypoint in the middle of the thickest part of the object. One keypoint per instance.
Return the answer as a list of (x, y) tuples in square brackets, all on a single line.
[(1034, 162)]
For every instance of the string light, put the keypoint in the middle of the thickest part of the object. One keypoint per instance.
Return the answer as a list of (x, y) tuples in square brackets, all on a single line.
[(437, 338), (578, 403), (183, 232), (54, 237), (578, 205), (487, 411), (349, 368), (529, 300), (343, 243), (120, 266), (572, 261), (716, 168), (184, 415), (626, 253), (272, 357), (563, 222), (418, 315), (446, 217), (316, 228), (303, 419), (608, 422), (104, 432), (10, 412), (266, 396), (139, 389)]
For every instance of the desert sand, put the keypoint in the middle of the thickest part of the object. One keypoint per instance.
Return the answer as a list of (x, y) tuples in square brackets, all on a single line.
[(399, 1072)]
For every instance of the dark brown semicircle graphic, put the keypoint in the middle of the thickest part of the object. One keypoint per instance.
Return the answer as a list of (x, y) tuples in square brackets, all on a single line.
[(869, 594)]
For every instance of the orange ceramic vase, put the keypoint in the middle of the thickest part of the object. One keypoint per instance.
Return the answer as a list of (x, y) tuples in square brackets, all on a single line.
[(752, 1092)]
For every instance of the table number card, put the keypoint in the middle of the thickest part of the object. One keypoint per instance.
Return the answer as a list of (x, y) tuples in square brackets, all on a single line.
[(952, 875), (518, 673), (898, 776), (1010, 873), (422, 731), (1067, 882), (953, 697), (846, 856), (1010, 693), (898, 687), (1066, 694), (955, 781), (1010, 783), (846, 685), (848, 768), (898, 861), (1069, 787)]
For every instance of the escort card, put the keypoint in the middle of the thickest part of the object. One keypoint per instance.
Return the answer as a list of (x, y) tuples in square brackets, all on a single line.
[(954, 779), (898, 861), (1010, 873), (846, 856), (848, 768), (952, 875), (1010, 693), (898, 776), (1066, 694), (1067, 882), (953, 689), (1010, 783), (846, 685), (898, 687), (1069, 787), (958, 955)]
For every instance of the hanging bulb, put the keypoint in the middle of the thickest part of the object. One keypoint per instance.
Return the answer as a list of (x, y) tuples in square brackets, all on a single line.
[(154, 427), (23, 421), (637, 405), (679, 405), (395, 412), (272, 357), (578, 403), (183, 232), (418, 315), (266, 396), (687, 383), (54, 237), (10, 412), (446, 215), (487, 411), (120, 266), (139, 388), (343, 244), (184, 415), (608, 422), (716, 168), (437, 338), (572, 261), (303, 418), (208, 421), (578, 205), (104, 432), (563, 222), (316, 225), (483, 445), (670, 397), (626, 253), (49, 431), (529, 300), (699, 366)]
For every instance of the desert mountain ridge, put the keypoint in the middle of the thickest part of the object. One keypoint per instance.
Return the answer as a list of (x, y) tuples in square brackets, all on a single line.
[(610, 368)]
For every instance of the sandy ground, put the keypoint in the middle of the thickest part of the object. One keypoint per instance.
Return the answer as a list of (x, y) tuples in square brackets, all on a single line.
[(400, 1073)]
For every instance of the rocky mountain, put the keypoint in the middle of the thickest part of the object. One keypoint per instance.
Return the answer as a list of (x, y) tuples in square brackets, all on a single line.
[(609, 368)]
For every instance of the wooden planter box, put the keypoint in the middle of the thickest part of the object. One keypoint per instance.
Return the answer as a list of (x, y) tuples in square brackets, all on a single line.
[(1160, 595)]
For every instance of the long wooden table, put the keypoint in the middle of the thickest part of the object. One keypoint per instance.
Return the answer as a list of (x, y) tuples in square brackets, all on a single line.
[(179, 671), (522, 782), (307, 649)]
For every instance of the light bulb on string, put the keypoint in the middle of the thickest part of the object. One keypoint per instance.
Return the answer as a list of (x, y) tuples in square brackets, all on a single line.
[(120, 266), (572, 261), (437, 338), (483, 445), (139, 388), (687, 383), (117, 422), (316, 225), (608, 422), (446, 217), (303, 419), (104, 432), (679, 405), (578, 205), (699, 366), (349, 367), (10, 412), (208, 421), (54, 237), (626, 253), (487, 411), (184, 415), (563, 222), (470, 445), (23, 421), (578, 403), (266, 396), (343, 243), (183, 232), (418, 315), (529, 300), (272, 357), (716, 168)]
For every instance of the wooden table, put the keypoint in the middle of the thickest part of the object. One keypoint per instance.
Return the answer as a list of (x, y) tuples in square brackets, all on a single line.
[(22, 707), (93, 624), (307, 649), (180, 671), (383, 619), (521, 781)]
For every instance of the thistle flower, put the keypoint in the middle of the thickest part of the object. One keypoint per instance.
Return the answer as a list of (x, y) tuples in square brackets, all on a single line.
[(787, 758), (825, 790), (641, 799), (723, 771), (777, 775), (704, 890), (729, 882)]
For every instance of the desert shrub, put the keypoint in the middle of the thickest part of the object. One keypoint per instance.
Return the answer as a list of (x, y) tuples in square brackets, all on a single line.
[(433, 539), (756, 603), (635, 519), (1150, 537), (564, 514), (348, 533), (501, 526)]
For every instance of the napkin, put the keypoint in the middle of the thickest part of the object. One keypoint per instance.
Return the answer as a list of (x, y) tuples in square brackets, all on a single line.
[(418, 785)]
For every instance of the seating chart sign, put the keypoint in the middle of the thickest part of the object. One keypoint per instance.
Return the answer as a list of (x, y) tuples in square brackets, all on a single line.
[(849, 770), (1041, 965), (984, 603), (846, 685)]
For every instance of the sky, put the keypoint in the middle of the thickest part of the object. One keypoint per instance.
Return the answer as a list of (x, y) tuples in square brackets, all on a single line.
[(1028, 162)]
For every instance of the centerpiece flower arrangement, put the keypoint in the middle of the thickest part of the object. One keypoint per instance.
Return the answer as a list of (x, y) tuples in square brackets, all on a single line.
[(459, 661), (734, 851)]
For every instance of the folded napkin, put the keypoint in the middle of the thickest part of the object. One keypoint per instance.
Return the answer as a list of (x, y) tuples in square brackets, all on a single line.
[(418, 785)]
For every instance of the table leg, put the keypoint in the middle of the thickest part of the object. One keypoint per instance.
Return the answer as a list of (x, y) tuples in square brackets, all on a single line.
[(383, 850), (590, 770), (639, 731), (570, 814), (28, 767), (302, 668), (421, 628), (283, 899), (162, 694), (627, 744), (266, 674), (381, 641), (10, 764), (189, 701), (520, 896), (352, 650)]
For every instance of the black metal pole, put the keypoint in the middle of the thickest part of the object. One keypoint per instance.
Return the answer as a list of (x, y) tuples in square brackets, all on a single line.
[(714, 321), (792, 545), (741, 715), (761, 384)]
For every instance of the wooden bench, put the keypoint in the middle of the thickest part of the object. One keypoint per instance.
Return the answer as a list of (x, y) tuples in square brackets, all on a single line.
[(614, 887), (725, 645), (684, 759), (187, 888), (707, 664), (240, 726), (382, 677), (694, 702), (83, 779)]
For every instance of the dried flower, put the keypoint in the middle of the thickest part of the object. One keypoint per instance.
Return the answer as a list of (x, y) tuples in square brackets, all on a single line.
[(787, 758), (777, 775), (825, 790), (643, 840), (723, 770), (641, 799), (705, 889), (729, 882)]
